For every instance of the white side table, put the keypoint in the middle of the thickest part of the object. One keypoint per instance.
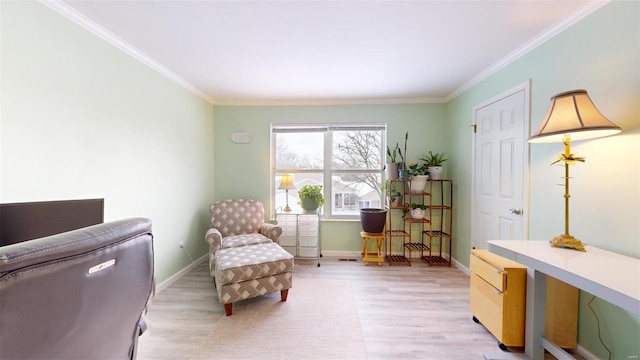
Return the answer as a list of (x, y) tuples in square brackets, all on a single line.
[(300, 234)]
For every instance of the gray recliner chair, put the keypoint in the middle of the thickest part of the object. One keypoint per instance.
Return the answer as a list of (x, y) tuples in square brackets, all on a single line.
[(77, 295)]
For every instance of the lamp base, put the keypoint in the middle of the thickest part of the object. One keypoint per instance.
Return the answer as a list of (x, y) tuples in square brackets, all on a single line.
[(567, 241), (287, 208)]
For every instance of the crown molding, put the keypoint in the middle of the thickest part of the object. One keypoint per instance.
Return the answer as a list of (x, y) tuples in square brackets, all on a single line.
[(70, 13), (328, 101), (528, 46), (75, 16)]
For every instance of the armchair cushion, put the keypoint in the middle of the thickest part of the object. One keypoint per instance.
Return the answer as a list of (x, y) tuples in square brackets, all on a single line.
[(238, 222)]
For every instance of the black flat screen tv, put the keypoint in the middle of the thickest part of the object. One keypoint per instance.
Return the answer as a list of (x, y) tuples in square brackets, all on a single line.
[(31, 220)]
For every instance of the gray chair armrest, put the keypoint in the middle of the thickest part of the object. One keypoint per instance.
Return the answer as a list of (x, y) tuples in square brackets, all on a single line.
[(214, 238), (142, 326), (271, 231)]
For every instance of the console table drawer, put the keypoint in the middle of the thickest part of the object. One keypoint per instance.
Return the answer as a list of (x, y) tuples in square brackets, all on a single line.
[(486, 303), (494, 276), (497, 296)]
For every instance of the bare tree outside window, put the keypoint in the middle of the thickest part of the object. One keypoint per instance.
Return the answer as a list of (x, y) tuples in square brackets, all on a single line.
[(300, 151), (356, 150)]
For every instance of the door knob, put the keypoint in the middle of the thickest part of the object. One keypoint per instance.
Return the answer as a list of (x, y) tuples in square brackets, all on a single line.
[(516, 211)]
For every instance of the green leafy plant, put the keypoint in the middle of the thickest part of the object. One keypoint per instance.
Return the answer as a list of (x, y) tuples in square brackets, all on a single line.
[(406, 138), (390, 189), (413, 207), (437, 159), (418, 206), (417, 169), (393, 154), (313, 192)]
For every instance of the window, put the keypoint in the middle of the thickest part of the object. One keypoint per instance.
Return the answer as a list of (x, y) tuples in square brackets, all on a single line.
[(347, 160)]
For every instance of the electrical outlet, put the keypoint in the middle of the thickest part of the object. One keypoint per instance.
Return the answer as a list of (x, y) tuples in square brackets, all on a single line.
[(181, 245)]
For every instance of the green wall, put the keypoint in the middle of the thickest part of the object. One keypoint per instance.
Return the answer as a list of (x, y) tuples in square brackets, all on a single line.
[(80, 118), (243, 169), (601, 54)]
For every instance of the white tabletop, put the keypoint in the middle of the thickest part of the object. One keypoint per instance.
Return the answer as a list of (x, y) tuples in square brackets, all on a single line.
[(607, 275)]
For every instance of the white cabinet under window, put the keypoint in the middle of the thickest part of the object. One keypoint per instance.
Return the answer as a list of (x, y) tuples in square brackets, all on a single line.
[(300, 234)]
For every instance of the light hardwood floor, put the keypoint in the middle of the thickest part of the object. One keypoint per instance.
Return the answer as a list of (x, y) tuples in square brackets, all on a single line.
[(406, 312)]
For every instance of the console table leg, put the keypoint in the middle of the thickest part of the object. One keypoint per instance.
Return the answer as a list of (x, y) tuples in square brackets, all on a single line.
[(536, 295)]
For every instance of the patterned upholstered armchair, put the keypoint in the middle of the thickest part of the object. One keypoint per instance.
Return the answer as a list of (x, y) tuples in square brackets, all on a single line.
[(238, 223)]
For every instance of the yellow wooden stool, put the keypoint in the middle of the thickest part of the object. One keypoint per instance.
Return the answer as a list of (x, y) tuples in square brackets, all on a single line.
[(369, 256)]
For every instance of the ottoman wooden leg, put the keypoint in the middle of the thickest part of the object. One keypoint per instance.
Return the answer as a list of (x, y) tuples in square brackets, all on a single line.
[(283, 294), (228, 308)]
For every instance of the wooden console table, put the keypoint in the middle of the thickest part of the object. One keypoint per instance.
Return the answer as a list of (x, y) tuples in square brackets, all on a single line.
[(607, 275)]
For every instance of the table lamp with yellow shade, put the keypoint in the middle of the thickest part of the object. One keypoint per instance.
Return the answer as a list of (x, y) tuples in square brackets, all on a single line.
[(286, 184)]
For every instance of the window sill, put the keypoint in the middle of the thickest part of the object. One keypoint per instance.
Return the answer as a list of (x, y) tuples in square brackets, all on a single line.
[(339, 220)]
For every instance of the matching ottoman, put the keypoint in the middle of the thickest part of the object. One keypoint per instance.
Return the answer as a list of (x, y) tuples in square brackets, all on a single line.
[(249, 271)]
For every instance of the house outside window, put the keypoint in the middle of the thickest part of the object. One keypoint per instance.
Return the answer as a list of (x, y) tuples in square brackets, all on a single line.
[(345, 200), (346, 159)]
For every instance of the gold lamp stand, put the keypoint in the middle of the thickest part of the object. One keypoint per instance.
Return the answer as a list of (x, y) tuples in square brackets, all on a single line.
[(566, 240)]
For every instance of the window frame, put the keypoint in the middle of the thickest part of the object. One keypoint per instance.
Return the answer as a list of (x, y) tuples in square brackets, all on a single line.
[(327, 170)]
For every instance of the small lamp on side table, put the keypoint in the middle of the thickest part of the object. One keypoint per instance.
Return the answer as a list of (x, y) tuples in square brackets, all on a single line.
[(571, 116), (286, 184)]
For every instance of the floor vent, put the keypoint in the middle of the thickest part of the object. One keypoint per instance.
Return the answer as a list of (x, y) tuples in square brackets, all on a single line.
[(348, 259)]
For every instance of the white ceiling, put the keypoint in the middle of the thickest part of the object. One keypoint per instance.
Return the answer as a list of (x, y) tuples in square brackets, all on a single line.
[(303, 51)]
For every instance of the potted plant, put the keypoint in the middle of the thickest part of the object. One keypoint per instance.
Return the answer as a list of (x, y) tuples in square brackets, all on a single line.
[(395, 196), (373, 220), (393, 164), (419, 176), (311, 197), (417, 211), (434, 163)]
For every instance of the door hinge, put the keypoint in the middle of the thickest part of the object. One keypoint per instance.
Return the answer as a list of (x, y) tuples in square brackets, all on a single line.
[(474, 126)]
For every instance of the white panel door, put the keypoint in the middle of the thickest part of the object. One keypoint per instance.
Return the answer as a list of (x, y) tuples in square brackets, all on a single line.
[(500, 169)]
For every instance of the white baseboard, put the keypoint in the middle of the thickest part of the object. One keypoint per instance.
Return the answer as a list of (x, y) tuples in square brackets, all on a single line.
[(358, 254), (461, 267), (342, 254), (588, 355), (165, 284)]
